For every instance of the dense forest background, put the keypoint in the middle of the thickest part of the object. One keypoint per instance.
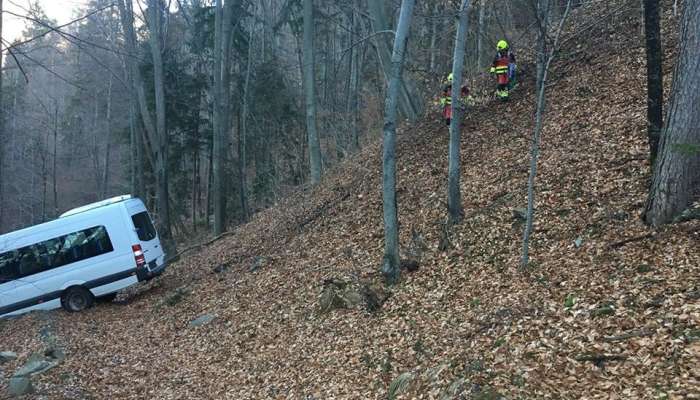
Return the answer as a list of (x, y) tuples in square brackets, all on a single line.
[(74, 133)]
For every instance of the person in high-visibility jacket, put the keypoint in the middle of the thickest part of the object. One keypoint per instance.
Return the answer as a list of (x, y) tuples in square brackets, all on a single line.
[(446, 99), (504, 68)]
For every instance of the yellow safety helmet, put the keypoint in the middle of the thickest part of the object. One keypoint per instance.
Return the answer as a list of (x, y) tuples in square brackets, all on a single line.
[(450, 78), (502, 45)]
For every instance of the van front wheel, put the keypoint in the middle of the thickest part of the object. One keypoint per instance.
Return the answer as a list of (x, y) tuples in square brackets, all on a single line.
[(77, 298)]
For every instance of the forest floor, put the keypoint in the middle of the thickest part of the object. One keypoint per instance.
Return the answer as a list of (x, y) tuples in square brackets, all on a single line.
[(609, 308)]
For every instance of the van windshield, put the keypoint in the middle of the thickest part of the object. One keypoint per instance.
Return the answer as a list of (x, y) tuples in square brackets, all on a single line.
[(144, 226)]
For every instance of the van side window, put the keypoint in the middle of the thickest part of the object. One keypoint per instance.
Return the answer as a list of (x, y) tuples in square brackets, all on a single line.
[(54, 253), (9, 266), (144, 226)]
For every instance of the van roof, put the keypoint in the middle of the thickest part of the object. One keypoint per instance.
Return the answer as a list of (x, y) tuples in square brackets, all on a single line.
[(92, 206), (7, 239)]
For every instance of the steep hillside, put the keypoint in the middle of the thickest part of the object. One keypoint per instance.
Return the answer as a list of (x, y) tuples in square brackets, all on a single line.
[(608, 309)]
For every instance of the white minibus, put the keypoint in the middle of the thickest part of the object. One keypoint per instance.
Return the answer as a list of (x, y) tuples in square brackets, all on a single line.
[(88, 252)]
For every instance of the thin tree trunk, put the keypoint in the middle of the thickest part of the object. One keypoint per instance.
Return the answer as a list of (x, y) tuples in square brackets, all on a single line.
[(676, 180), (55, 157), (454, 198), (353, 82), (96, 147), (132, 150), (546, 60), (390, 265), (44, 177), (310, 93), (105, 171), (543, 19), (139, 154), (655, 94), (433, 38), (218, 136), (479, 35), (208, 192)]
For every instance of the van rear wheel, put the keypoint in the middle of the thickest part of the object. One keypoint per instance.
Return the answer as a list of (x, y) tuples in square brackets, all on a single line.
[(77, 298)]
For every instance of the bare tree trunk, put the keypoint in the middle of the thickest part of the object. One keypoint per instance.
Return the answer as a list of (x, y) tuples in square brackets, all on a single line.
[(454, 198), (546, 60), (655, 94), (105, 171), (390, 265), (242, 162), (156, 39), (310, 93), (219, 147), (676, 179), (126, 13), (2, 135)]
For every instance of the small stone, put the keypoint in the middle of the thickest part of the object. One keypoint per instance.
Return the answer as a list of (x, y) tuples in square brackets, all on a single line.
[(175, 297), (520, 214), (410, 265), (55, 354), (203, 320), (353, 298), (19, 386), (644, 268), (603, 311), (258, 262), (220, 269), (6, 356)]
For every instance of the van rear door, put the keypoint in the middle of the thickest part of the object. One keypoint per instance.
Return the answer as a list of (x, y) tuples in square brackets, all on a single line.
[(147, 235)]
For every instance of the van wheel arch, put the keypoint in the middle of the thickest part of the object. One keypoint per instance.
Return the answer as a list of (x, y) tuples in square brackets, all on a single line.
[(77, 298)]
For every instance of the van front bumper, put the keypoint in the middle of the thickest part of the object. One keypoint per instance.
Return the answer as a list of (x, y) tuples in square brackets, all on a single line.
[(150, 271)]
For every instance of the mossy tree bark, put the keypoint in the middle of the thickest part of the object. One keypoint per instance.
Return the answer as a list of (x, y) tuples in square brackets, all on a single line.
[(676, 178)]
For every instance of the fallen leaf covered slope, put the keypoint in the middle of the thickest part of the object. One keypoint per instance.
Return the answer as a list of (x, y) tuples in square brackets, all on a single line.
[(607, 309)]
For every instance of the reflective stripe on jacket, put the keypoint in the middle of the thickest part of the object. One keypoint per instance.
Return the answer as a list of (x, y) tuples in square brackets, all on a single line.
[(502, 61)]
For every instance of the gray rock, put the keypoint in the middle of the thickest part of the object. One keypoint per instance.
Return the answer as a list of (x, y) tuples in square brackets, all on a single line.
[(55, 353), (35, 365), (19, 386), (6, 356), (203, 320)]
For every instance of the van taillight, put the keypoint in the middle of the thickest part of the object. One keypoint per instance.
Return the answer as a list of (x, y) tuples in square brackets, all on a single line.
[(138, 255)]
